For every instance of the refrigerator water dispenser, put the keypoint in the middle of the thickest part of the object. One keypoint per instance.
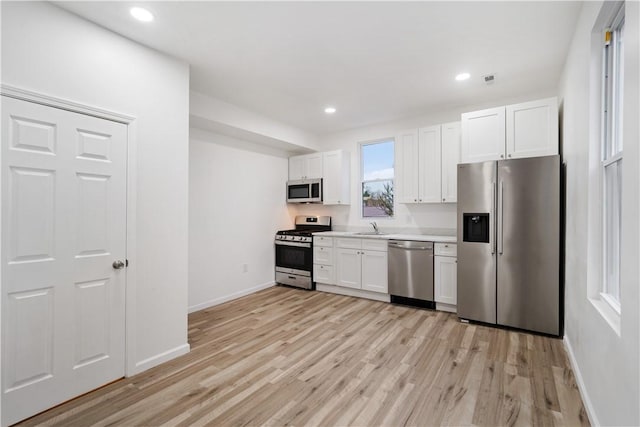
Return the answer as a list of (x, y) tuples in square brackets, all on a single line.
[(475, 227)]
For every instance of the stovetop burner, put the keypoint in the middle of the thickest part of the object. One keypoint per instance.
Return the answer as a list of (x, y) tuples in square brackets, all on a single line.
[(305, 227)]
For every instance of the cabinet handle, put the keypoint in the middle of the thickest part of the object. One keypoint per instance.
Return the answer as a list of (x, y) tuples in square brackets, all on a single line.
[(443, 200), (415, 200), (502, 156), (509, 155)]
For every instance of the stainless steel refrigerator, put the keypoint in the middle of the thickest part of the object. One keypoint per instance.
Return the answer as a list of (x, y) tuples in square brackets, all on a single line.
[(509, 243)]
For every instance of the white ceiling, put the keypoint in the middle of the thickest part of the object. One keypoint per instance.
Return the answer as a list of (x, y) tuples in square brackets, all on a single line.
[(373, 61)]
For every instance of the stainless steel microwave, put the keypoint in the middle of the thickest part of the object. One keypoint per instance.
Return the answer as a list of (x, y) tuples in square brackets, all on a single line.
[(304, 191)]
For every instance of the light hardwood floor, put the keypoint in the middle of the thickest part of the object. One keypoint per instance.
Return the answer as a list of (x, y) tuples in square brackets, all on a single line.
[(291, 357)]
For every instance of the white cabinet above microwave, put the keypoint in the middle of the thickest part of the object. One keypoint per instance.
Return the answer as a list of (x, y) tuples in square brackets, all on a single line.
[(331, 167)]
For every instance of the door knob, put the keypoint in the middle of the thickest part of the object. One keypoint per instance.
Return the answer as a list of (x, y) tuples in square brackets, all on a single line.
[(118, 264)]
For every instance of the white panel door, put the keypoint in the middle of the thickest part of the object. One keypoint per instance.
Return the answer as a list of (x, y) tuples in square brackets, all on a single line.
[(483, 135), (430, 165), (348, 268), (532, 128), (445, 276), (374, 271), (406, 166), (63, 224), (450, 160)]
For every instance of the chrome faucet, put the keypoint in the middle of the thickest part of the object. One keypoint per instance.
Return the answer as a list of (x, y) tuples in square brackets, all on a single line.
[(375, 227)]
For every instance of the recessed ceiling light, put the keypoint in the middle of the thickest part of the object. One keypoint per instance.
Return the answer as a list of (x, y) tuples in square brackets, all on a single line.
[(141, 14), (330, 110), (462, 76)]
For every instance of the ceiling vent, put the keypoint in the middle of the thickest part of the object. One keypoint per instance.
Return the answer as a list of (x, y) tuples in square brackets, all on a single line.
[(489, 78)]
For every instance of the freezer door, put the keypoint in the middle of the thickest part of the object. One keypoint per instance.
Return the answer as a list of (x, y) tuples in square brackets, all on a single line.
[(528, 243), (476, 246)]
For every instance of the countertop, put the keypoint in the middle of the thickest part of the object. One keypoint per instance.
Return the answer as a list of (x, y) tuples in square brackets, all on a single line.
[(416, 237)]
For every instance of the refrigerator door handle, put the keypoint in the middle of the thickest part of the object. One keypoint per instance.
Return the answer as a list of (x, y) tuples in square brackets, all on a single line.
[(492, 219), (501, 218)]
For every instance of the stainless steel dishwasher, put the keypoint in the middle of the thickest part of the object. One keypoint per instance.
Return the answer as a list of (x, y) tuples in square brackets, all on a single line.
[(411, 272)]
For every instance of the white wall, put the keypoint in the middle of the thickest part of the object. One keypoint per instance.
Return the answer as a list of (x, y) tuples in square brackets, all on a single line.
[(427, 218), (607, 364), (236, 205), (51, 51)]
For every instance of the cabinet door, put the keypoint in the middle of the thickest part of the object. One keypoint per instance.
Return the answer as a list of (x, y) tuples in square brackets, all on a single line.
[(429, 165), (407, 165), (532, 128), (313, 166), (446, 279), (323, 255), (450, 160), (348, 268), (323, 274), (483, 135), (296, 167), (335, 178), (374, 271)]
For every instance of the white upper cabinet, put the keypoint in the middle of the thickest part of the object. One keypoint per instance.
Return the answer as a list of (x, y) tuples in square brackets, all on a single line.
[(336, 178), (430, 165), (426, 164), (450, 159), (407, 164), (307, 166), (522, 130), (532, 129), (483, 135)]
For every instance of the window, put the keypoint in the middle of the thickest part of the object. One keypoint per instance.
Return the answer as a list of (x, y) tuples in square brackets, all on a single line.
[(377, 179), (611, 158)]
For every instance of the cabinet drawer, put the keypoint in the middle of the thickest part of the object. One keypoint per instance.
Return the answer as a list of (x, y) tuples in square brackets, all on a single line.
[(348, 243), (322, 241), (375, 245), (324, 274), (323, 255), (445, 249)]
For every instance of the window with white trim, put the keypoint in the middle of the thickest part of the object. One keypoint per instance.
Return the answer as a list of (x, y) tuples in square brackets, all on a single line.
[(377, 178), (611, 157)]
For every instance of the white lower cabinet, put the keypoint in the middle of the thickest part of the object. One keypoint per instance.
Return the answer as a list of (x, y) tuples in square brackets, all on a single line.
[(445, 274), (323, 260), (362, 264)]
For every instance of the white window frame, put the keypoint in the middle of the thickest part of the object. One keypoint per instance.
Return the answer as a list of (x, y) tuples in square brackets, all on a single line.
[(361, 145), (611, 159)]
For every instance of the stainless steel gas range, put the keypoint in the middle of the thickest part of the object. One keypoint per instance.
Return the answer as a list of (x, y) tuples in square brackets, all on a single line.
[(294, 251)]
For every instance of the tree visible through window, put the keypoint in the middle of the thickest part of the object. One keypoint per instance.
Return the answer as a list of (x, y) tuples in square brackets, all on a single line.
[(377, 179)]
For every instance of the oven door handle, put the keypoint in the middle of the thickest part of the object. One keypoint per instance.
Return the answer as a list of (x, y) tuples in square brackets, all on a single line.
[(298, 244)]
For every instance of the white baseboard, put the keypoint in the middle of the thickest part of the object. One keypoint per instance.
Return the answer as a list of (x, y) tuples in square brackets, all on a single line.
[(158, 359), (225, 298), (446, 307), (580, 382), (352, 292)]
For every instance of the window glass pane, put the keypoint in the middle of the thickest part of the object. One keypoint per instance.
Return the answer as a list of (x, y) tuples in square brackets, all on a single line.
[(377, 161), (377, 179), (377, 198), (612, 222), (617, 92)]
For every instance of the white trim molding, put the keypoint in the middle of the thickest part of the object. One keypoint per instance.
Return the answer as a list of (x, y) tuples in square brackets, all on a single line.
[(161, 358), (64, 104), (593, 420), (235, 295), (351, 292)]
